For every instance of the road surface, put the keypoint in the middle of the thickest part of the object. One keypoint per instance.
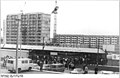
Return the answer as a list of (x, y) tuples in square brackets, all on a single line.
[(36, 71)]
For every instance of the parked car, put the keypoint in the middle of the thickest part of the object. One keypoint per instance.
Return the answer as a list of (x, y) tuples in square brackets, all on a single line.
[(77, 71), (51, 67), (116, 72), (46, 66), (106, 72), (36, 66), (56, 67)]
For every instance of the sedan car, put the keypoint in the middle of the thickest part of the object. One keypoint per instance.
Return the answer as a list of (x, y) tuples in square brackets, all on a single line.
[(106, 72), (45, 66), (77, 71), (57, 67)]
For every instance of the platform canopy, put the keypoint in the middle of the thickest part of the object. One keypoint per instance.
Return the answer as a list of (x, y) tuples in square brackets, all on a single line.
[(55, 48), (71, 49)]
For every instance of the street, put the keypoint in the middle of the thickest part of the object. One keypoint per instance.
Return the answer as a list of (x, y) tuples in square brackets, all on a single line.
[(36, 71)]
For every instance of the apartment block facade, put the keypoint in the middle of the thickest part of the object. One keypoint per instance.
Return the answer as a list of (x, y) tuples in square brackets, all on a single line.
[(87, 41), (34, 28)]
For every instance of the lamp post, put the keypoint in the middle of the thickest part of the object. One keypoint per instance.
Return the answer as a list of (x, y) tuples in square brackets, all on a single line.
[(0, 37), (18, 29), (20, 35), (44, 40), (0, 41), (43, 43), (98, 52)]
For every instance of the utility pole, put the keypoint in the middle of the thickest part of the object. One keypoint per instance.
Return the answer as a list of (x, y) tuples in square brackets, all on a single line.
[(18, 25), (17, 40), (20, 28), (0, 35), (43, 43), (4, 33), (0, 41), (98, 52), (20, 31)]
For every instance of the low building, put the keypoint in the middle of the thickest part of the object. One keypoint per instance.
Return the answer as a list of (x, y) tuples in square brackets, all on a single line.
[(87, 41)]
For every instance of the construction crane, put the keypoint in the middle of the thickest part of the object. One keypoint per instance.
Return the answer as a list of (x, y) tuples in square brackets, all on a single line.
[(55, 20)]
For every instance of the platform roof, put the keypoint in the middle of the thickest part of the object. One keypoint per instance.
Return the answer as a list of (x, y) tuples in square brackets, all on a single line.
[(54, 48), (69, 49)]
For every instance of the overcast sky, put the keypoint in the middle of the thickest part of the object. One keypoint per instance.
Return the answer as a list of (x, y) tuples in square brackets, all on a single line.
[(74, 17)]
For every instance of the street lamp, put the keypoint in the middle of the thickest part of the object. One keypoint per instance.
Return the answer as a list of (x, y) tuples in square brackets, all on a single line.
[(18, 29), (46, 35), (0, 37), (43, 43), (98, 51), (0, 42)]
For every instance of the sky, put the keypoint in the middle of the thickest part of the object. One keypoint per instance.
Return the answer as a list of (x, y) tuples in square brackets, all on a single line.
[(74, 17)]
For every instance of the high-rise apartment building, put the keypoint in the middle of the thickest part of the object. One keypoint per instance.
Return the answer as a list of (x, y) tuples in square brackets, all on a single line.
[(34, 28), (87, 41)]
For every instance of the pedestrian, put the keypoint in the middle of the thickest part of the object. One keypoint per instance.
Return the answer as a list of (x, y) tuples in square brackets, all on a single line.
[(84, 67), (38, 62), (41, 65), (96, 70), (72, 66), (85, 70)]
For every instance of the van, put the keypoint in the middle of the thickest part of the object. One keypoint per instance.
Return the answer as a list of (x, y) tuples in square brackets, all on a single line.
[(23, 64)]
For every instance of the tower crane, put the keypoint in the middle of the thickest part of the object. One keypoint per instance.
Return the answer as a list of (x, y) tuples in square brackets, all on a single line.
[(55, 20)]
